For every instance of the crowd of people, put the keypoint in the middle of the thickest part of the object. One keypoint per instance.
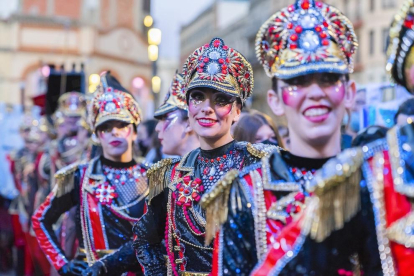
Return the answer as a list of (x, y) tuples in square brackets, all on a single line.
[(209, 187)]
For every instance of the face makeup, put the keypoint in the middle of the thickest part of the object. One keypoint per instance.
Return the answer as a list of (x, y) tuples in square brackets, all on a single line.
[(170, 121), (222, 105)]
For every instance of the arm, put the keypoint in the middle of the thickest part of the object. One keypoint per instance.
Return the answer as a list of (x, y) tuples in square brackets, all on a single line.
[(48, 213), (122, 260), (148, 236)]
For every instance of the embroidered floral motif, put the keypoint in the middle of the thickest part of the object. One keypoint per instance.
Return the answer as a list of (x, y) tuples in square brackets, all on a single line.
[(189, 191)]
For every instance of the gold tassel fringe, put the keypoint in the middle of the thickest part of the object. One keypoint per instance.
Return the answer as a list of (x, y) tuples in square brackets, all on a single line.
[(65, 179), (156, 178), (216, 205), (338, 191)]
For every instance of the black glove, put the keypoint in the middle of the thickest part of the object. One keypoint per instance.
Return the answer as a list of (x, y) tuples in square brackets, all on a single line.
[(73, 268), (97, 269)]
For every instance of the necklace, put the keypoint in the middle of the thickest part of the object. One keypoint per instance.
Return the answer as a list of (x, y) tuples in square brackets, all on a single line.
[(105, 193), (213, 169)]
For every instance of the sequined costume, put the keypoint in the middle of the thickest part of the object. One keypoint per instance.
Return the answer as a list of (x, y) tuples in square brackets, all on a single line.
[(265, 228), (290, 215), (176, 186), (174, 213), (108, 196), (174, 100)]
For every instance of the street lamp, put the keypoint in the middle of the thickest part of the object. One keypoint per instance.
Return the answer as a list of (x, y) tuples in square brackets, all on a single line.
[(148, 21), (153, 52), (154, 36), (154, 39), (94, 80), (156, 84)]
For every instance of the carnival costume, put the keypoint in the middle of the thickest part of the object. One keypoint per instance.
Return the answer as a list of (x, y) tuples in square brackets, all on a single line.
[(24, 167), (388, 165), (174, 100), (290, 215), (176, 185), (109, 196)]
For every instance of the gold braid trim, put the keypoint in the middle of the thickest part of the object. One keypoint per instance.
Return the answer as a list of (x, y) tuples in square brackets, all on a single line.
[(261, 150), (337, 188), (65, 181), (215, 203), (156, 178)]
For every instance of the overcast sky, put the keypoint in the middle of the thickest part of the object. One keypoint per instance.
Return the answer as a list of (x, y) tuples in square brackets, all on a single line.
[(169, 16)]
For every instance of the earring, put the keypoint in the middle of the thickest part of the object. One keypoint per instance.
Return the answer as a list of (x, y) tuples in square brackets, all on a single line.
[(95, 140)]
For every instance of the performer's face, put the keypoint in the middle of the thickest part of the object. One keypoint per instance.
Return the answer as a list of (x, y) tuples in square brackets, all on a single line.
[(172, 130), (212, 113), (116, 139), (314, 105)]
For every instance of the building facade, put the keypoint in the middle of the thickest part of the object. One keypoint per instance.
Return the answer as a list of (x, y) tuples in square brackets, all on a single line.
[(371, 19), (99, 34)]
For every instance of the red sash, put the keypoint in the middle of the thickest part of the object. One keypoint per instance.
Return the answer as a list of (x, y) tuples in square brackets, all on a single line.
[(396, 207)]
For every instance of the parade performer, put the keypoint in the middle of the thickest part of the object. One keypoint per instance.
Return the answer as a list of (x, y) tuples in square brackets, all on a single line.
[(177, 138), (217, 81), (303, 212), (69, 146), (24, 164), (108, 191), (69, 122)]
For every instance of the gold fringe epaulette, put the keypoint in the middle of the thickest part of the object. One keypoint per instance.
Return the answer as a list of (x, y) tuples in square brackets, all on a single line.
[(215, 203), (337, 189), (261, 150), (156, 177), (65, 179)]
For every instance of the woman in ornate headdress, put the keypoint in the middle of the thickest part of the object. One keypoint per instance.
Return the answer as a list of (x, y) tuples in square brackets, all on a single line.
[(217, 80), (294, 214), (177, 138), (108, 191)]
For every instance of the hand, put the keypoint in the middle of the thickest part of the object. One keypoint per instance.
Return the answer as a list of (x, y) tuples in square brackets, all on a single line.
[(97, 269), (73, 268)]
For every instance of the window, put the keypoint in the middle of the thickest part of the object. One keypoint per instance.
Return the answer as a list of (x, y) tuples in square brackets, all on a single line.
[(358, 52), (372, 5), (387, 4), (358, 10), (346, 6), (385, 39), (371, 42)]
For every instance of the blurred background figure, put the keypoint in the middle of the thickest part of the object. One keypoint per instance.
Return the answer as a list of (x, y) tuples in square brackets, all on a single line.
[(405, 113), (368, 135), (257, 127), (147, 145)]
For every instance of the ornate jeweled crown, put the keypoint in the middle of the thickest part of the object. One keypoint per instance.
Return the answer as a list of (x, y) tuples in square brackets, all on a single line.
[(175, 98), (219, 67), (306, 37), (113, 102), (401, 40)]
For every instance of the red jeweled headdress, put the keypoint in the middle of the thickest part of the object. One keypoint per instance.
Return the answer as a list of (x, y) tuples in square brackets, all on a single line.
[(306, 37), (219, 67)]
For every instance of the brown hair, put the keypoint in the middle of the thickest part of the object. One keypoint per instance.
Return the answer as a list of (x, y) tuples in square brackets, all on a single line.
[(246, 129)]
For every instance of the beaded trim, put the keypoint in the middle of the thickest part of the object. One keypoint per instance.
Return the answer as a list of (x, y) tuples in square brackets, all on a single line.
[(401, 184), (375, 184), (260, 209)]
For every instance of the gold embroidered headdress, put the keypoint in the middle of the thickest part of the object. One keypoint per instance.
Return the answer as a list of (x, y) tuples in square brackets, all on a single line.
[(113, 102), (304, 38), (70, 104), (401, 40), (175, 98), (219, 67)]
